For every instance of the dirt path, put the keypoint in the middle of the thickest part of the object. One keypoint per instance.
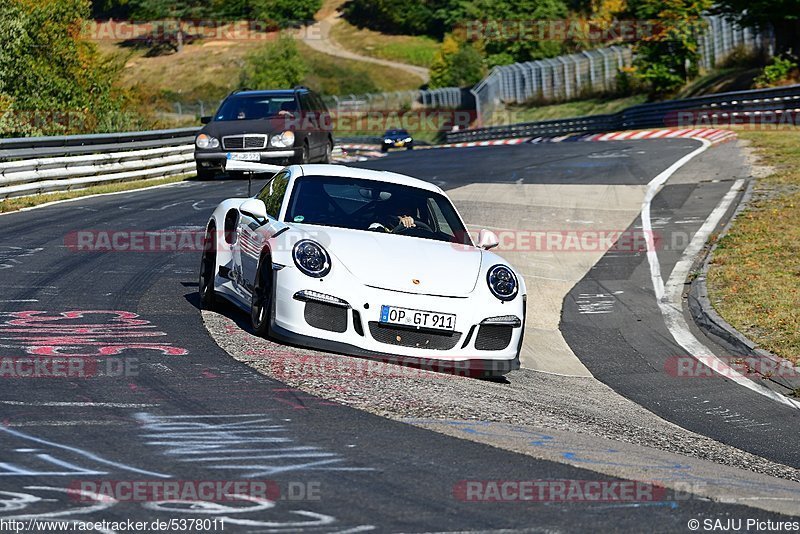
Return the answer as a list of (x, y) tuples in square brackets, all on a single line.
[(319, 38)]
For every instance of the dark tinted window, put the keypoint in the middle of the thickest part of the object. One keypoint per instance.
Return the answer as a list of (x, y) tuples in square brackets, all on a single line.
[(305, 102), (255, 107), (319, 105)]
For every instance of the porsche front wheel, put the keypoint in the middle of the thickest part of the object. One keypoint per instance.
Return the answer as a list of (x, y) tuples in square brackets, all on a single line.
[(208, 264), (261, 301)]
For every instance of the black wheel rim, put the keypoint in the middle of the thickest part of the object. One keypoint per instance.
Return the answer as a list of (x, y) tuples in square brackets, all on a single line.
[(260, 300)]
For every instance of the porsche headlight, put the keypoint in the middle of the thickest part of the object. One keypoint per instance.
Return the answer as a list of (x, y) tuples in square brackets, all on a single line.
[(407, 140), (502, 282), (206, 141), (311, 258), (282, 140)]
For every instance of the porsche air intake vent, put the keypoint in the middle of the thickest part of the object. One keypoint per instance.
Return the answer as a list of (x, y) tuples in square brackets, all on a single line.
[(326, 316), (493, 337)]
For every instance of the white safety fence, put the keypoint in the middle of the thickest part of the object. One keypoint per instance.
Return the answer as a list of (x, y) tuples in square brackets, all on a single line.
[(64, 173), (596, 71)]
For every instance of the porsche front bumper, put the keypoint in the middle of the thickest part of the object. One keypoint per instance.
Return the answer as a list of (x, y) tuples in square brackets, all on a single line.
[(345, 318)]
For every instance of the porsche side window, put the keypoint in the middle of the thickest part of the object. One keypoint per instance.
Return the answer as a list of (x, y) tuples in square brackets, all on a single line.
[(272, 194)]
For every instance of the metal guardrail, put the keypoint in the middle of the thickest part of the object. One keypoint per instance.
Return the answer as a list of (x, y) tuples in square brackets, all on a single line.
[(722, 106), (33, 165)]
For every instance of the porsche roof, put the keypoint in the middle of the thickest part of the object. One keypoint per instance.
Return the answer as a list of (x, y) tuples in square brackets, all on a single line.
[(366, 174)]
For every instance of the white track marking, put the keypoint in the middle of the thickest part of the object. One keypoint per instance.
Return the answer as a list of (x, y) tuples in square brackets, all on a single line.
[(93, 404), (670, 297), (647, 228), (672, 304), (81, 452)]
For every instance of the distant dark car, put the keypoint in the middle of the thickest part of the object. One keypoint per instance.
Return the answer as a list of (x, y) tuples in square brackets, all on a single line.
[(397, 139), (276, 126)]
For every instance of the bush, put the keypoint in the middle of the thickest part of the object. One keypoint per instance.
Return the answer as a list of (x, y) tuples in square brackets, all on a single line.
[(52, 81), (456, 64), (780, 70), (502, 50), (389, 16), (285, 11), (277, 65), (670, 57)]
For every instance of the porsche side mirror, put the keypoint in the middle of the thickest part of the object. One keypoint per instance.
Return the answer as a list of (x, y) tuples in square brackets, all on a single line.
[(254, 208), (205, 120), (487, 239)]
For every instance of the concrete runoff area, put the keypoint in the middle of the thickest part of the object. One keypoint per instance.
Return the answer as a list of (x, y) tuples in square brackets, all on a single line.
[(515, 212)]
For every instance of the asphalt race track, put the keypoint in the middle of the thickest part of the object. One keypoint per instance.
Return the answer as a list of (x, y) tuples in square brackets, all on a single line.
[(163, 402)]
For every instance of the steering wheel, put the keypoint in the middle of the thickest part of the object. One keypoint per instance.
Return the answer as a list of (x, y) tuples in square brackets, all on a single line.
[(401, 228)]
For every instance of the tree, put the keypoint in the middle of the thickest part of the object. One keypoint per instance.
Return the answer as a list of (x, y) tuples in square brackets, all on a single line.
[(276, 65), (47, 71), (456, 64), (170, 10), (782, 15), (285, 11), (415, 17), (505, 46), (668, 57)]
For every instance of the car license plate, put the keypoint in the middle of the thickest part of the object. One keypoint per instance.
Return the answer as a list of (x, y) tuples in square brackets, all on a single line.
[(417, 318), (244, 156), (400, 143)]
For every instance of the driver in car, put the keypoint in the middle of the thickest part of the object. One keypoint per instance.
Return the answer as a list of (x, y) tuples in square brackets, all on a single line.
[(396, 217)]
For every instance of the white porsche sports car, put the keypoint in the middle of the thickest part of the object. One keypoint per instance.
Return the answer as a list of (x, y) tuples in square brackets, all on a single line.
[(367, 263)]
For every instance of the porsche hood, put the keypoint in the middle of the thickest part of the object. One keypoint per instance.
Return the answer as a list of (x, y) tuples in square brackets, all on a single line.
[(403, 263)]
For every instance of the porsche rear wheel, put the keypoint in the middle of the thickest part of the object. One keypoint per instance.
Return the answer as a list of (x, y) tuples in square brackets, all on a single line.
[(208, 265), (261, 301)]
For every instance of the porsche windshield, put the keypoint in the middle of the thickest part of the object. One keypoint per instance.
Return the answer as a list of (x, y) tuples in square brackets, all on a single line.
[(375, 206)]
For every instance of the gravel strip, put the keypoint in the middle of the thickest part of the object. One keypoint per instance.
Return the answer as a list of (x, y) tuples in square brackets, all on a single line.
[(576, 404)]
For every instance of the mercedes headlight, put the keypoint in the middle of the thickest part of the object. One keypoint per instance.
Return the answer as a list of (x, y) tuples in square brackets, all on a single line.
[(311, 258), (206, 141), (502, 282), (283, 140)]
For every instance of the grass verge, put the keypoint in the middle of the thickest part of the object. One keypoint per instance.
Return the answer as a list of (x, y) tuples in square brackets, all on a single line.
[(411, 49), (14, 204), (754, 277)]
